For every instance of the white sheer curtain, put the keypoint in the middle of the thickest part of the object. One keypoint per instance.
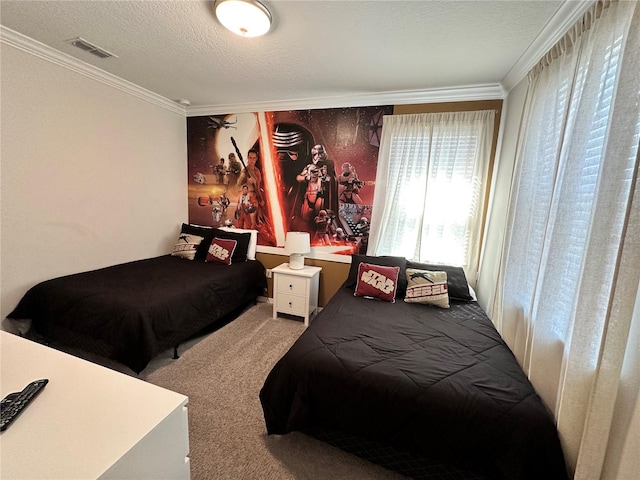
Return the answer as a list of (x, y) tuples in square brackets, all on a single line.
[(431, 182), (571, 266)]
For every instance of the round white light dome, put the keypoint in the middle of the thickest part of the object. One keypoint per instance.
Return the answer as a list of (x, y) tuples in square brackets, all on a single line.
[(247, 18)]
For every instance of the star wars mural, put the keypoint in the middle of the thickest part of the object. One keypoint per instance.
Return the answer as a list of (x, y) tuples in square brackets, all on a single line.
[(306, 170)]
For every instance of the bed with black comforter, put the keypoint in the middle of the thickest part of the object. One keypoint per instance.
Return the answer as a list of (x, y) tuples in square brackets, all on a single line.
[(438, 383), (133, 311)]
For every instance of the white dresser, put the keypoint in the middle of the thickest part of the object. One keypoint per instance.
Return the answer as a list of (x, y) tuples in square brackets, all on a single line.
[(89, 422), (295, 292)]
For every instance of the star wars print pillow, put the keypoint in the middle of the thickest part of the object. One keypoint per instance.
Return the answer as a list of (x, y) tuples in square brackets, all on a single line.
[(428, 287), (187, 246), (221, 251), (377, 281), (386, 261), (456, 279), (243, 239)]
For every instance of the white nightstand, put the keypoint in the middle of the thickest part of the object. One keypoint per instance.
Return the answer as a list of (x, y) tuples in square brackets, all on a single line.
[(295, 291)]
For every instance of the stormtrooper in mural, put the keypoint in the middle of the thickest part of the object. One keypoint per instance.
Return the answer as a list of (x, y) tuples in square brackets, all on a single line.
[(319, 176)]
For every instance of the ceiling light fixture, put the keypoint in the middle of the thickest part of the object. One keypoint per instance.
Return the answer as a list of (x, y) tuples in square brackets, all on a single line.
[(247, 18)]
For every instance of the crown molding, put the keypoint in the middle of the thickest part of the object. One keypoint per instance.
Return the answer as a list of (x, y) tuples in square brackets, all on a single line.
[(436, 95), (40, 50), (565, 17)]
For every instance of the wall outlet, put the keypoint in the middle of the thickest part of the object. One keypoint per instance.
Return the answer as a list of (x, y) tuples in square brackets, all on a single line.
[(268, 273)]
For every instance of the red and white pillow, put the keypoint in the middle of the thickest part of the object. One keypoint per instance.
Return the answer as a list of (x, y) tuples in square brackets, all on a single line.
[(428, 287), (377, 281), (221, 250)]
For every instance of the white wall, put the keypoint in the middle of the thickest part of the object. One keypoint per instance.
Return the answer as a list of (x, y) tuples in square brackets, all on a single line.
[(90, 175)]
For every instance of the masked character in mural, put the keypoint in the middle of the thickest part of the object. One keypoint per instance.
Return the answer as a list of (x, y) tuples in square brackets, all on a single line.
[(320, 178), (321, 235), (220, 172), (220, 206), (349, 185), (233, 169), (339, 236), (224, 201), (327, 168), (216, 213), (246, 210), (313, 199), (362, 229), (332, 224), (293, 145)]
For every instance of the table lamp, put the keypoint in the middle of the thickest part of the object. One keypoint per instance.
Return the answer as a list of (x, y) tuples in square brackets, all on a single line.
[(296, 245)]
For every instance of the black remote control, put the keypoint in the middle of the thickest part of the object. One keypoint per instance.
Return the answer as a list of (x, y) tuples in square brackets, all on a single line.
[(14, 403)]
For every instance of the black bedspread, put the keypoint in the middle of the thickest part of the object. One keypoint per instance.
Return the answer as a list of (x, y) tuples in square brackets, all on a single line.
[(440, 383), (131, 312)]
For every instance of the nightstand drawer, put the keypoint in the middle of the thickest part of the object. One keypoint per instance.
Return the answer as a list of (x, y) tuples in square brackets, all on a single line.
[(295, 291), (292, 304), (291, 284)]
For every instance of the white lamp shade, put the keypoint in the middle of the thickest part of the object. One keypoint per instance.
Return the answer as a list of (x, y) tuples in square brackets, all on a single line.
[(247, 18), (296, 244)]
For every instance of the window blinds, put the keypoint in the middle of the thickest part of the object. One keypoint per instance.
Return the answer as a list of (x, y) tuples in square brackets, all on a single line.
[(434, 167)]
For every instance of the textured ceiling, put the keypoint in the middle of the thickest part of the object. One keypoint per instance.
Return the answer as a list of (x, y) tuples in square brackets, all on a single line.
[(316, 49)]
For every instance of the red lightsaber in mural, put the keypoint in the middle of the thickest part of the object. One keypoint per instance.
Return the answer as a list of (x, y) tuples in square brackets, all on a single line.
[(265, 123)]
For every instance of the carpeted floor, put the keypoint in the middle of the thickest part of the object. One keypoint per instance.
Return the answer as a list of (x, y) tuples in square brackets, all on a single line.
[(222, 374)]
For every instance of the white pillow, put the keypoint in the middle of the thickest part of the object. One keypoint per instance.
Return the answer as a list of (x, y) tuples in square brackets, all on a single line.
[(472, 292), (253, 242), (428, 287), (187, 246)]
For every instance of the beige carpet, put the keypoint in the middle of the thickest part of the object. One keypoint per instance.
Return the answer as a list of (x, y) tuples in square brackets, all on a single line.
[(222, 374)]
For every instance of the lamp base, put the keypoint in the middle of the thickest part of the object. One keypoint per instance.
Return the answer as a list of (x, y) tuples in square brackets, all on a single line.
[(296, 261)]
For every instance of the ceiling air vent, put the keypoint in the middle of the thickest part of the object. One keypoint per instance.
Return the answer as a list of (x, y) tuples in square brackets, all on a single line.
[(91, 48)]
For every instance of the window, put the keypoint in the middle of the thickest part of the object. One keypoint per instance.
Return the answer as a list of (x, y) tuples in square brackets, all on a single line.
[(571, 266), (433, 172), (562, 169)]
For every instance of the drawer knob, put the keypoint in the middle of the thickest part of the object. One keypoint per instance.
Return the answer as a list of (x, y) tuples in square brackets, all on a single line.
[(289, 303), (290, 286)]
